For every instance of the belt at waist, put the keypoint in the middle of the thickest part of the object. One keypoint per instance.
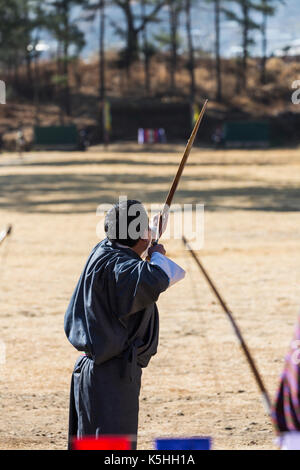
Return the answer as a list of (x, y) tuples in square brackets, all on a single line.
[(128, 359)]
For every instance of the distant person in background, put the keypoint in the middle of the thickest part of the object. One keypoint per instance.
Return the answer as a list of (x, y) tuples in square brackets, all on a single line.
[(84, 142), (20, 141), (218, 136), (162, 135)]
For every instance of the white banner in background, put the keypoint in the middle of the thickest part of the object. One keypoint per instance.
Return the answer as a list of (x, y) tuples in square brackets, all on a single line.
[(2, 92)]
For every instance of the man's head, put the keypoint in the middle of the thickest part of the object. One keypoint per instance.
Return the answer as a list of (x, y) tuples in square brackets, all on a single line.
[(127, 223)]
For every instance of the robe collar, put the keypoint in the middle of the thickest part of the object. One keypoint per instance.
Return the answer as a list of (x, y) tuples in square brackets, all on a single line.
[(118, 246)]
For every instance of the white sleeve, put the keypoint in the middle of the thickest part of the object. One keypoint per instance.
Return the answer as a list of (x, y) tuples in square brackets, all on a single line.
[(174, 272), (289, 441)]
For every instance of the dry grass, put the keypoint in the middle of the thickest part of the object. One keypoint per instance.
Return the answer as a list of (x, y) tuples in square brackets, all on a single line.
[(199, 383)]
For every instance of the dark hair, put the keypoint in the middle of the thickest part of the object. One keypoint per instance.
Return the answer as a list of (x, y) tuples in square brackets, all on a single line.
[(126, 222)]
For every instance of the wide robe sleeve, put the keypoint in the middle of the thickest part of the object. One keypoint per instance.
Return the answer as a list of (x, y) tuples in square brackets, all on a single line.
[(138, 284)]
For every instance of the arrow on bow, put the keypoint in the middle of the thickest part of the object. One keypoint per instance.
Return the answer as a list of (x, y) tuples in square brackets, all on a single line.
[(176, 180), (5, 233), (265, 395)]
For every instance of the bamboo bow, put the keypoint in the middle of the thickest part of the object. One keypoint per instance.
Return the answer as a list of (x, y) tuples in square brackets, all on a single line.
[(265, 395), (176, 180)]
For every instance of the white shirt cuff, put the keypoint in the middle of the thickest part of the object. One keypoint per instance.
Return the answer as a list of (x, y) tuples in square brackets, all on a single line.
[(174, 272)]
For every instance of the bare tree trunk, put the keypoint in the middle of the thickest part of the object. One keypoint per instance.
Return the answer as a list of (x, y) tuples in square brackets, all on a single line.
[(264, 49), (36, 90), (66, 99), (59, 90), (244, 69), (191, 50), (28, 68), (16, 73), (239, 75), (218, 55), (27, 52), (102, 87), (146, 52), (173, 19), (132, 40), (66, 85)]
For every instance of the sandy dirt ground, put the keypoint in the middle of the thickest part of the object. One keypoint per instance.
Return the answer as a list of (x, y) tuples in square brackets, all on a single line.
[(199, 382)]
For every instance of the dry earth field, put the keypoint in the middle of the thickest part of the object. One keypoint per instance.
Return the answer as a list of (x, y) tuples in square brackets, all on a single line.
[(199, 382)]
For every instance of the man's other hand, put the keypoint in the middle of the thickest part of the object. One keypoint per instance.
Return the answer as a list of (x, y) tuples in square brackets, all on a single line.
[(156, 248)]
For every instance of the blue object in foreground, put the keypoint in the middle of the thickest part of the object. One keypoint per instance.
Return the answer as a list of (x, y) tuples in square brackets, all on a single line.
[(194, 443)]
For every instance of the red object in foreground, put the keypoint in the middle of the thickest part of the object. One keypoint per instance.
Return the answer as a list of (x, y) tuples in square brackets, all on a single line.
[(102, 443)]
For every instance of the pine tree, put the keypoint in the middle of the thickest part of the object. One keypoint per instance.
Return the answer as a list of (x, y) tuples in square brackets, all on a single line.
[(268, 8), (16, 26), (171, 39), (134, 26), (175, 9), (247, 25), (67, 33), (148, 47), (94, 7), (218, 9)]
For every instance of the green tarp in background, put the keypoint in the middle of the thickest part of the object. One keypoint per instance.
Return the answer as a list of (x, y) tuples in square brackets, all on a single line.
[(64, 137), (247, 133)]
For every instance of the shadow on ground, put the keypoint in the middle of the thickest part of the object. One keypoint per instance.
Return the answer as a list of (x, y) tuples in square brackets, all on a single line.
[(131, 162), (82, 193)]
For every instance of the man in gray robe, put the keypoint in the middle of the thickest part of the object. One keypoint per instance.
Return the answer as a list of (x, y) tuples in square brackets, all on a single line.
[(113, 319)]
